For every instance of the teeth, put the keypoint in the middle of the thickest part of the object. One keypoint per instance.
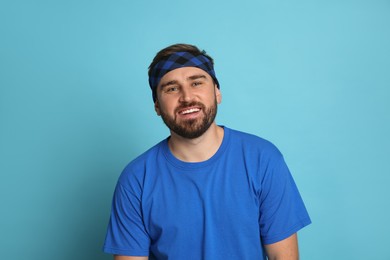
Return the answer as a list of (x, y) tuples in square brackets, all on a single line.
[(192, 110)]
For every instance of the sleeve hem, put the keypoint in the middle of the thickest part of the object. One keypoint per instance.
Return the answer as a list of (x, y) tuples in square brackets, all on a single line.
[(276, 238), (125, 252)]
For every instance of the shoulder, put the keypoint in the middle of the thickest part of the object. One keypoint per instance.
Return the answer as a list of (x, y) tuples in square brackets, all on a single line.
[(261, 158), (136, 169), (252, 144)]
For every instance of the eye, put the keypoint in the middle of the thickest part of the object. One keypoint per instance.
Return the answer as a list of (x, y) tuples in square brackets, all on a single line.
[(171, 89), (196, 83)]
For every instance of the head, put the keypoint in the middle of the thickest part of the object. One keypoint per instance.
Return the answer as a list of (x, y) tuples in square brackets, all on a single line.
[(185, 89), (165, 53)]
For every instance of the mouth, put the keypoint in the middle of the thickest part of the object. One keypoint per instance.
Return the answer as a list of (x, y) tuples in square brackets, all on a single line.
[(189, 111)]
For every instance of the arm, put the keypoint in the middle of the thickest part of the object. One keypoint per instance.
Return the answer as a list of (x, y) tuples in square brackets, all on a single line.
[(120, 257), (126, 236), (286, 249)]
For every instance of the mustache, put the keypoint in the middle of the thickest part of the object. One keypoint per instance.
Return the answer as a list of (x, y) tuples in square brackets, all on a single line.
[(189, 104)]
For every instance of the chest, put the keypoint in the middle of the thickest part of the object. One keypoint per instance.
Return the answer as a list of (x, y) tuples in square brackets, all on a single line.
[(186, 204)]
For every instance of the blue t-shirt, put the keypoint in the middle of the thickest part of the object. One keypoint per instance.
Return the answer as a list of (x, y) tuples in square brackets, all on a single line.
[(226, 207)]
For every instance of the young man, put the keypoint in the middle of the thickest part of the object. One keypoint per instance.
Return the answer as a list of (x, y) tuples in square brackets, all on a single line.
[(207, 191)]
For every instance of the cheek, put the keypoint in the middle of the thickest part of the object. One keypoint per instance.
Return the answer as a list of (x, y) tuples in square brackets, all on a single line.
[(165, 107)]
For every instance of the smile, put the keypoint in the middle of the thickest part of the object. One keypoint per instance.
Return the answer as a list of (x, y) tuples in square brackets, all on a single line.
[(189, 111)]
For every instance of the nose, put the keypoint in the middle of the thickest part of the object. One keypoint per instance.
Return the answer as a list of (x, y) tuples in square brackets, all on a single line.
[(186, 95)]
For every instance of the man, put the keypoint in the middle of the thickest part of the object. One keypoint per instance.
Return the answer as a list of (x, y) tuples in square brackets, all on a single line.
[(207, 191)]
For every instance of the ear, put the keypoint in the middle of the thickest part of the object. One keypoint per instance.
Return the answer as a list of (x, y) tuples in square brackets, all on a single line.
[(157, 108), (218, 95)]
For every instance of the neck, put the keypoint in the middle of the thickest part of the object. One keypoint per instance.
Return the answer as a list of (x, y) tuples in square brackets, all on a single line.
[(197, 149)]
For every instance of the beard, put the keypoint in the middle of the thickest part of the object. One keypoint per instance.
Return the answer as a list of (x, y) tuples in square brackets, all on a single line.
[(191, 128)]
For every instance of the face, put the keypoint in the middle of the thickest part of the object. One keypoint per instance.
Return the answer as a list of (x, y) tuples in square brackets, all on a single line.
[(187, 101)]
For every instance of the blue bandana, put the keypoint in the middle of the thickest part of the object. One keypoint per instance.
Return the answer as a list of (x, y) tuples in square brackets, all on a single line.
[(179, 60)]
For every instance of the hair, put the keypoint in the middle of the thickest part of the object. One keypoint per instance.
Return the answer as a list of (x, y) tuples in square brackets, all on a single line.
[(179, 47)]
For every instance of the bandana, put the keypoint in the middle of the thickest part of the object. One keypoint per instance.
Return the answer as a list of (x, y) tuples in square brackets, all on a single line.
[(179, 60)]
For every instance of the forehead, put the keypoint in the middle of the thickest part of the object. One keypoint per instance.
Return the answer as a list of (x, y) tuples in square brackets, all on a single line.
[(183, 74)]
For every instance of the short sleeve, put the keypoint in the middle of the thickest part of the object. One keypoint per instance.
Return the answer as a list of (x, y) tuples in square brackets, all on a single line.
[(126, 233), (282, 211)]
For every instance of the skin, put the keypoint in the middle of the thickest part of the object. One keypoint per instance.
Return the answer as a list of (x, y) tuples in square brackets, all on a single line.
[(286, 249), (183, 86), (119, 257), (188, 85)]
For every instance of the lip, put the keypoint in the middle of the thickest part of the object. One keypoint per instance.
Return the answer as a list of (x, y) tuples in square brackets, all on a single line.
[(189, 112)]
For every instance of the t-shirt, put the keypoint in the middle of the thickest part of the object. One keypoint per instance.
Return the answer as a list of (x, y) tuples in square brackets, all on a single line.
[(226, 207)]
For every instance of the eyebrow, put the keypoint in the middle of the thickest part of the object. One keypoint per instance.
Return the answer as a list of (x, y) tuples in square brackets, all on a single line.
[(197, 76), (173, 82)]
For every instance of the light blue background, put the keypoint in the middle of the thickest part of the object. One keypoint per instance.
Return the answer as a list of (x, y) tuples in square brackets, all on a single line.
[(311, 76)]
